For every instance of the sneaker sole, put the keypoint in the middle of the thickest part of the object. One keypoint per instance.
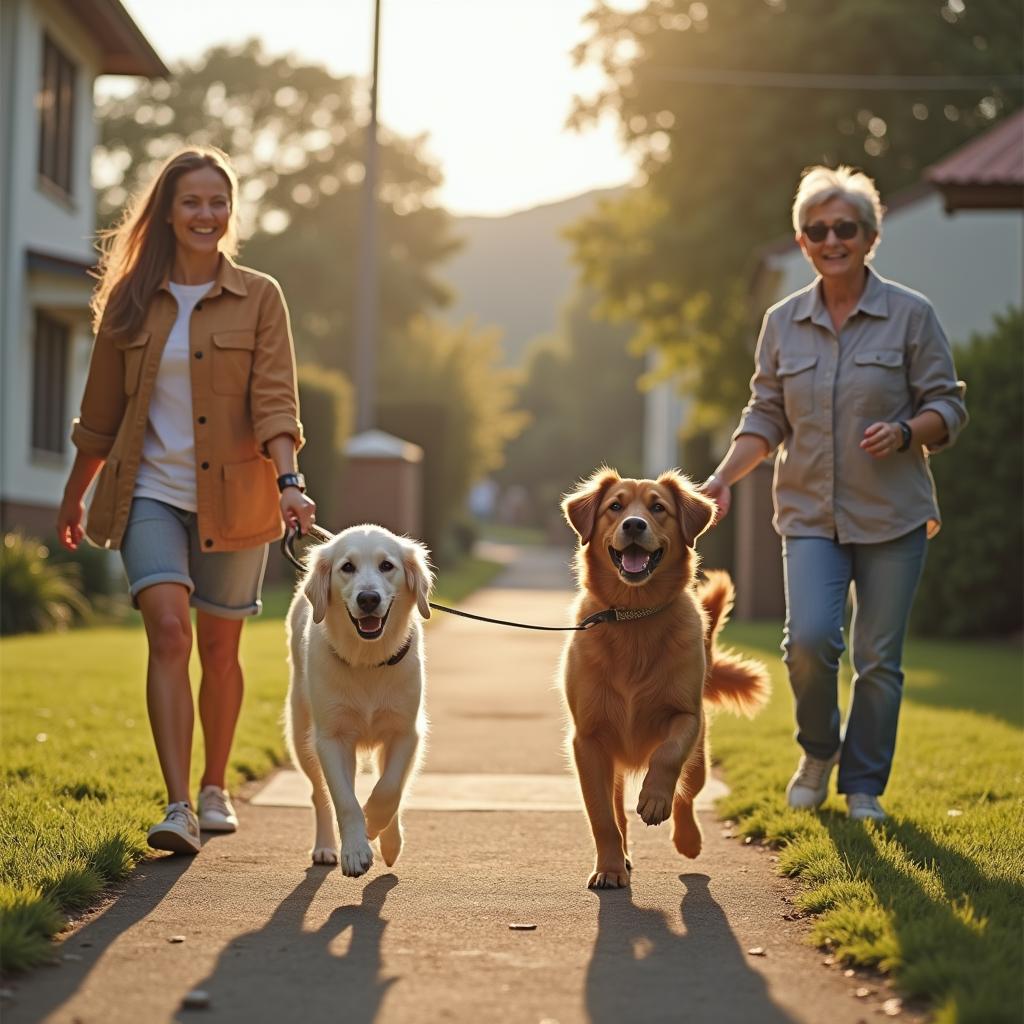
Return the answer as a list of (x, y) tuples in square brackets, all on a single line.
[(172, 842)]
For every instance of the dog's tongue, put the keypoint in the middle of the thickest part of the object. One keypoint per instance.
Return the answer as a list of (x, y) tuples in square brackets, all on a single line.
[(369, 624), (635, 559)]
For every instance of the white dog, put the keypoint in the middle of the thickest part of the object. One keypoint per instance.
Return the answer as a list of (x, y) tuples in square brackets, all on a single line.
[(357, 684)]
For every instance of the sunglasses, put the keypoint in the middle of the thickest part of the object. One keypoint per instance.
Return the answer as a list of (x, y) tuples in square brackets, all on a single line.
[(842, 229)]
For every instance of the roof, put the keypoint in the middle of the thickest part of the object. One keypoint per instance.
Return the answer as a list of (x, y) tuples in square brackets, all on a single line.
[(986, 173), (124, 50)]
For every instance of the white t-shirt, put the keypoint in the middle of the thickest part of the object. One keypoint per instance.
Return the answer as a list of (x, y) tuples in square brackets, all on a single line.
[(167, 471)]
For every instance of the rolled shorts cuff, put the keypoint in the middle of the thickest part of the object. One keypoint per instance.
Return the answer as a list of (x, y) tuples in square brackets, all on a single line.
[(159, 577), (226, 613)]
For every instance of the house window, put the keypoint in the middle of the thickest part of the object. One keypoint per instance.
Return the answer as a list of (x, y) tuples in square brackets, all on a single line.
[(49, 384), (56, 116)]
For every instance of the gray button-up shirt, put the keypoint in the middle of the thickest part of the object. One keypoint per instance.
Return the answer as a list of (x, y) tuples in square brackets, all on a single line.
[(814, 393)]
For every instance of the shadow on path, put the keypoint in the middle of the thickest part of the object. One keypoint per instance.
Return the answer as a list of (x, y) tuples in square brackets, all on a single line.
[(642, 970), (47, 989), (283, 972)]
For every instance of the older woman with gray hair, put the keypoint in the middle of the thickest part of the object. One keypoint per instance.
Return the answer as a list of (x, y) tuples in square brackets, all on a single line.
[(854, 385)]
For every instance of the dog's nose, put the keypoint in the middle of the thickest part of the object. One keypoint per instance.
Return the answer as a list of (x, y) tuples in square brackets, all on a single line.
[(634, 525), (368, 600)]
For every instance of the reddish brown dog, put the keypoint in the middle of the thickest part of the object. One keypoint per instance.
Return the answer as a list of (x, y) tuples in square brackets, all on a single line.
[(636, 689)]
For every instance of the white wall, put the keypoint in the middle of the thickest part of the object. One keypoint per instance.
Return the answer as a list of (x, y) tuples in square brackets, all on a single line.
[(40, 220)]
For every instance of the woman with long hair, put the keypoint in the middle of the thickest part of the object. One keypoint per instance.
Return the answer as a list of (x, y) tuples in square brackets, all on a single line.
[(190, 419)]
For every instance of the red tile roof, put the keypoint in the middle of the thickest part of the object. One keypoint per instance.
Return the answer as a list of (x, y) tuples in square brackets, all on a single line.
[(995, 158)]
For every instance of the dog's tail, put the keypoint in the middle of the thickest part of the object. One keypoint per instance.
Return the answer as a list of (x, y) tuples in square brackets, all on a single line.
[(738, 684)]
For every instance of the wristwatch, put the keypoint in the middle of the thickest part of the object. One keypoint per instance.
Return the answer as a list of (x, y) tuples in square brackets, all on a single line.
[(291, 480), (907, 435)]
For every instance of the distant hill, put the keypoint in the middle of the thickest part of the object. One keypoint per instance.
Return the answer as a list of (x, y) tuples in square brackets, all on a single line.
[(514, 272)]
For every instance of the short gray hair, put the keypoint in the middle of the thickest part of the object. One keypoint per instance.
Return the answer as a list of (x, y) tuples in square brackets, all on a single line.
[(819, 184)]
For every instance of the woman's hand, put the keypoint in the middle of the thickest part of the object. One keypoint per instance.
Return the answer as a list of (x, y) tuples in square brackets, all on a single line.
[(297, 509), (882, 439), (720, 493), (69, 522)]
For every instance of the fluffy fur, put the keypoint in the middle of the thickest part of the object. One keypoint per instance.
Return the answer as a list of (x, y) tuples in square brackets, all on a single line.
[(636, 690), (362, 599)]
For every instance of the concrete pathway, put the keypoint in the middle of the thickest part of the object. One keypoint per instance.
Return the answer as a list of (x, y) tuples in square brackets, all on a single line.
[(495, 838)]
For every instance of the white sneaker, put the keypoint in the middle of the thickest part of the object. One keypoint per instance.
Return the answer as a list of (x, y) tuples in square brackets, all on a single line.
[(178, 832), (216, 812), (809, 785), (864, 807)]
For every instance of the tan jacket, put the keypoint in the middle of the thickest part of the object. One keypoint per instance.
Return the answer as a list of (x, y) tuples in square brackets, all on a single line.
[(814, 393), (243, 394)]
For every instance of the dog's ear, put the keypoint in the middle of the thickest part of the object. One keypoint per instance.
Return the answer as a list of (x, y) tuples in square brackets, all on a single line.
[(318, 586), (418, 575), (695, 511), (580, 507)]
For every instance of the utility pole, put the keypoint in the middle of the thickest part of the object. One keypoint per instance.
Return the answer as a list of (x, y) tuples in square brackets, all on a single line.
[(368, 294)]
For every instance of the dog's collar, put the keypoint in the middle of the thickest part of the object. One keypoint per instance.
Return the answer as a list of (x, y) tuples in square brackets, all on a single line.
[(393, 660), (621, 615)]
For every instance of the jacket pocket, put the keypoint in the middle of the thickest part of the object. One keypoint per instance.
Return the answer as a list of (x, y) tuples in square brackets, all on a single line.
[(797, 376), (134, 352), (249, 503), (880, 385), (232, 361)]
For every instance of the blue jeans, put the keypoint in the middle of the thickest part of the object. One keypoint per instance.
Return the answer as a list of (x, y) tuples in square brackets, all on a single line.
[(818, 574)]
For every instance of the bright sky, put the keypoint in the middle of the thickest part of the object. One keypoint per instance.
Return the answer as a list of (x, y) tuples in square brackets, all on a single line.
[(489, 81)]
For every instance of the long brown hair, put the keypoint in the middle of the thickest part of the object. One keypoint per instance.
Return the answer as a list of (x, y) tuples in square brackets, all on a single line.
[(137, 253)]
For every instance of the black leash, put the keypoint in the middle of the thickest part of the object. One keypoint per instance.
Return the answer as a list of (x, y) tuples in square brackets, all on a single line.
[(597, 619)]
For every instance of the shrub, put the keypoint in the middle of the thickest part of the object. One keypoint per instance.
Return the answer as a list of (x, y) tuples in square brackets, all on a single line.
[(36, 595), (973, 581), (97, 569)]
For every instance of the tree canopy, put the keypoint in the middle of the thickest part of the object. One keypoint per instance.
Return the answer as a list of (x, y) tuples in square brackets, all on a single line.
[(580, 392), (722, 140), (295, 134)]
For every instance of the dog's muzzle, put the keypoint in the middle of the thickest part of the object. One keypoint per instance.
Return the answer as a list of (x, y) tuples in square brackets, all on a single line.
[(634, 562), (368, 625)]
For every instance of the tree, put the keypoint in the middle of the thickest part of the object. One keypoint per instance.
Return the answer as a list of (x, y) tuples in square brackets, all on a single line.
[(584, 406), (295, 134), (721, 156), (446, 391)]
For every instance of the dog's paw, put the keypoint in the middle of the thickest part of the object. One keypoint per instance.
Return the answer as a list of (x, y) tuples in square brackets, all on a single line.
[(356, 859), (687, 839), (618, 878), (391, 842), (654, 807), (325, 855)]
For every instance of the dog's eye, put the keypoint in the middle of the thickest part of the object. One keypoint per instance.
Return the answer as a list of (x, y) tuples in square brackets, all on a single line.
[(348, 567), (616, 506), (657, 507), (386, 566)]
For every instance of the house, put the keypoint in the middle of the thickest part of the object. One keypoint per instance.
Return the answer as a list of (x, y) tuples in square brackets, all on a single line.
[(51, 52)]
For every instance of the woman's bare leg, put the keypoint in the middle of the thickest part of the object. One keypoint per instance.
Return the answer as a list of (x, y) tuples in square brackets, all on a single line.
[(165, 612), (220, 693)]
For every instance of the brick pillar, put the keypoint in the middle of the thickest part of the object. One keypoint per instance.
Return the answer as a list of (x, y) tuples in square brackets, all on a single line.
[(382, 483)]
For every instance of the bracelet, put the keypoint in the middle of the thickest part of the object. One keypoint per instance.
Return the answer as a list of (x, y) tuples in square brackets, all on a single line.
[(906, 433)]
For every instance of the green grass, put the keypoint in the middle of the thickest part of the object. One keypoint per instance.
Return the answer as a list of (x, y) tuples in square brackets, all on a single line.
[(80, 776), (935, 896)]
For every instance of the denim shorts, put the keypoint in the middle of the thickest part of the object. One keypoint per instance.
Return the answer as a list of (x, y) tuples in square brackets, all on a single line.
[(161, 545)]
